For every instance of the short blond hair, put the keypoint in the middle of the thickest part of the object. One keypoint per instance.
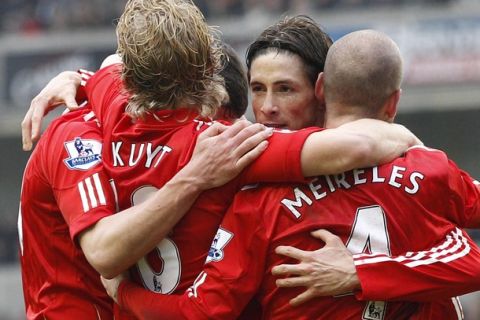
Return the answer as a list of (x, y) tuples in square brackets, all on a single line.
[(363, 68), (171, 57)]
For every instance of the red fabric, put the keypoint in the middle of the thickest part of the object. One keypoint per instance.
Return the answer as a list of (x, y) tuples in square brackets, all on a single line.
[(433, 270), (442, 309), (410, 204), (58, 281)]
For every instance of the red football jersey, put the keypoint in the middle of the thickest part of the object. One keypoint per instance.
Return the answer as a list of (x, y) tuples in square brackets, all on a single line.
[(64, 192), (414, 203), (449, 308), (142, 155)]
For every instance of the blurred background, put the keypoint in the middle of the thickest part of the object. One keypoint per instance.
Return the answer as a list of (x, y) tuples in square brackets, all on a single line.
[(439, 39)]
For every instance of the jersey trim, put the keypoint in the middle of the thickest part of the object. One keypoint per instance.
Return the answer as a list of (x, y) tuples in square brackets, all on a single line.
[(85, 76), (458, 308), (94, 193), (454, 247)]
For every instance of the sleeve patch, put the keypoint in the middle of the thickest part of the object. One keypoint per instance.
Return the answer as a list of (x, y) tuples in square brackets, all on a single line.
[(83, 153), (222, 238)]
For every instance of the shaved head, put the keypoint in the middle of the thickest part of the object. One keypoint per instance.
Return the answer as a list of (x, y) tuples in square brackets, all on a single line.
[(362, 70)]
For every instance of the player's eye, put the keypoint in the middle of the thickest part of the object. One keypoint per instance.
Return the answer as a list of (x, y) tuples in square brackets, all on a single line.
[(285, 88), (257, 88)]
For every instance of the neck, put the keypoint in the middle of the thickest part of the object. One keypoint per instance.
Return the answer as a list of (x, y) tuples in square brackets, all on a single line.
[(339, 120), (336, 115)]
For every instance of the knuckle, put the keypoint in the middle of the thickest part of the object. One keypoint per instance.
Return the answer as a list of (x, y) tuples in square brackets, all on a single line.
[(257, 127), (250, 144), (240, 124), (38, 100), (308, 269), (316, 291), (219, 138), (244, 134)]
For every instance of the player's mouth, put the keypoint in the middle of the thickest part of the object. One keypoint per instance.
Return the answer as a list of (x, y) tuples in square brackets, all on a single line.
[(276, 125)]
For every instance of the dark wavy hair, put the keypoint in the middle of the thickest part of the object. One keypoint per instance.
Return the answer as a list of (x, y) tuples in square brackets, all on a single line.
[(298, 35), (236, 83)]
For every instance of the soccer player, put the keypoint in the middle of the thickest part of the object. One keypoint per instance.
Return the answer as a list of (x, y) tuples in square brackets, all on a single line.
[(374, 211), (66, 210), (57, 279), (138, 149), (278, 95)]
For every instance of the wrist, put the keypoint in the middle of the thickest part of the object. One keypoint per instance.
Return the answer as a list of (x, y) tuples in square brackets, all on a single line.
[(353, 279), (355, 283), (188, 183)]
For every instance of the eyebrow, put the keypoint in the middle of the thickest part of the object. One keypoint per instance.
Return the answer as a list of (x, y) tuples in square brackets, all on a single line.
[(279, 82)]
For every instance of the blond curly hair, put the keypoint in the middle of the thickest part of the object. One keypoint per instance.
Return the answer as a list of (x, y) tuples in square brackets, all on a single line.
[(171, 57)]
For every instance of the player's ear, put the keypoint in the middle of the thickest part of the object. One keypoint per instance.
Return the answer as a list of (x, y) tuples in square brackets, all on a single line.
[(319, 92), (392, 104)]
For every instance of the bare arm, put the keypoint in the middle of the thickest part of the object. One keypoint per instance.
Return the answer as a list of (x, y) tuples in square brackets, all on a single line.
[(116, 242), (358, 144)]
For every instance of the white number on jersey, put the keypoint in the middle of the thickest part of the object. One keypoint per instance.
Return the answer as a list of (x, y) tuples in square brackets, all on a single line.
[(160, 270), (369, 234), (166, 279)]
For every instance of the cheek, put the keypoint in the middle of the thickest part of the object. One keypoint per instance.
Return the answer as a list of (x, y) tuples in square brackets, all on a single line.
[(299, 108), (256, 104), (302, 112)]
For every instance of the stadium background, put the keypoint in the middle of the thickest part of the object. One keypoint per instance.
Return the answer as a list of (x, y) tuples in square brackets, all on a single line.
[(439, 39)]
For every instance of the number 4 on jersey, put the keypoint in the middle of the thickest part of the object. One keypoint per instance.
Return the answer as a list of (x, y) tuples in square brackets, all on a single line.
[(369, 232), (370, 235)]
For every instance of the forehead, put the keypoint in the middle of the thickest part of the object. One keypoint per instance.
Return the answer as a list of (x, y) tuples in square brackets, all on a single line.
[(272, 67)]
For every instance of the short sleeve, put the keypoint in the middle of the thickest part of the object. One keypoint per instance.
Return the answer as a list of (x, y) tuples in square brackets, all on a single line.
[(72, 164)]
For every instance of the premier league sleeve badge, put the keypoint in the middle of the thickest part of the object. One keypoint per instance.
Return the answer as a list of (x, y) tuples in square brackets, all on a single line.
[(83, 153)]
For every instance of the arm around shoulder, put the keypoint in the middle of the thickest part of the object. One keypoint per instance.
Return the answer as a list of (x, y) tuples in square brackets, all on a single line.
[(358, 144)]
